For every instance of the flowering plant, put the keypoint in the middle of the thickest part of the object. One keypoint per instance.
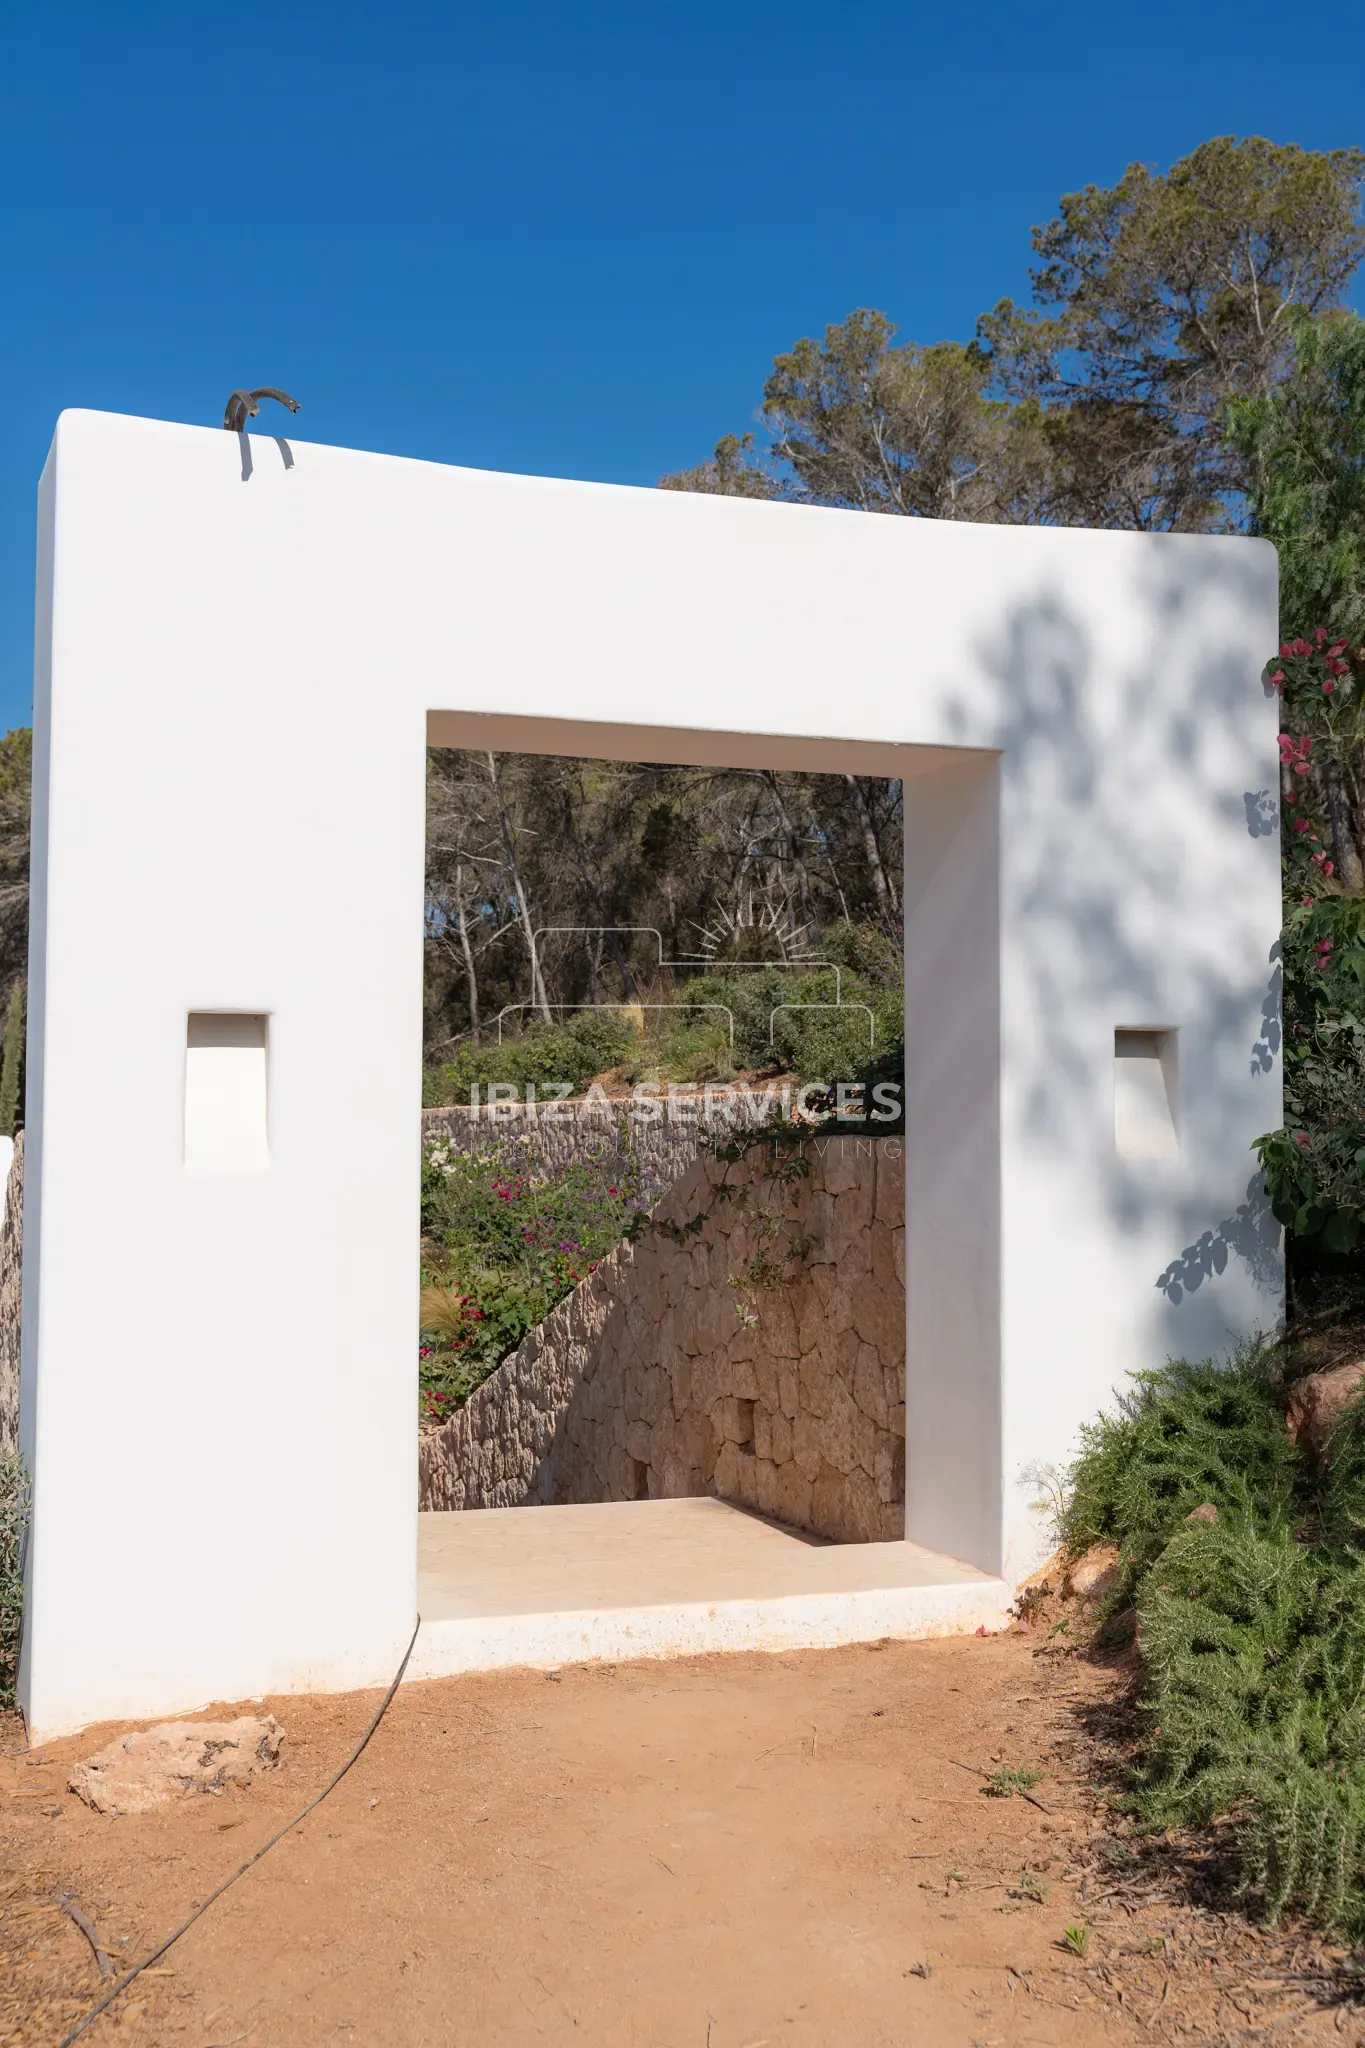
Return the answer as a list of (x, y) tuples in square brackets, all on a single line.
[(1313, 1164), (503, 1239)]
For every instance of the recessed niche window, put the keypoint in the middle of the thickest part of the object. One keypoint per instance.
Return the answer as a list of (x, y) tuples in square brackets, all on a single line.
[(225, 1092), (1145, 1094)]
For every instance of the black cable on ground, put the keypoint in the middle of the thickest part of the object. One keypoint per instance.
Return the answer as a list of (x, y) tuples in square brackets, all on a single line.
[(278, 1836)]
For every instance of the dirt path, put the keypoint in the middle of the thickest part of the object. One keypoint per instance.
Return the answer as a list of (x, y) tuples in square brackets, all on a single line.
[(750, 1852)]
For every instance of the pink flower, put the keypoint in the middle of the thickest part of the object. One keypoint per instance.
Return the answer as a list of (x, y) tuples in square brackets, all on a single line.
[(1301, 647), (1337, 647), (1320, 635), (1302, 826), (1328, 685), (1302, 1140), (1286, 650), (1277, 678)]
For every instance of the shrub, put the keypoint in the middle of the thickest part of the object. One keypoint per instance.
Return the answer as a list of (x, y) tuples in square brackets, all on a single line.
[(14, 1506), (1187, 1434), (1255, 1651), (1252, 1630)]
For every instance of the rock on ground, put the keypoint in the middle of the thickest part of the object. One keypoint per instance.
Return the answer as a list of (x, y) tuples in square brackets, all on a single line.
[(1318, 1401), (140, 1771), (1094, 1574)]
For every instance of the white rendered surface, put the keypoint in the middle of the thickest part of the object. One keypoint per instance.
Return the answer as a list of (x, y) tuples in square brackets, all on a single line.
[(1146, 1094), (239, 661), (226, 1095)]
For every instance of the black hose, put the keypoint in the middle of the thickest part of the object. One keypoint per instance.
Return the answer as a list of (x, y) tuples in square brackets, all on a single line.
[(279, 1836)]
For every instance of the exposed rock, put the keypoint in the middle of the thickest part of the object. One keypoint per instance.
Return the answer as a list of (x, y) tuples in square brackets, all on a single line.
[(140, 1771), (1206, 1513), (1094, 1574), (1319, 1400)]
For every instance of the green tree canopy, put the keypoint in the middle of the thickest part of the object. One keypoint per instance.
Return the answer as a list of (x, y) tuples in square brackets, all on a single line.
[(1157, 302), (1303, 445)]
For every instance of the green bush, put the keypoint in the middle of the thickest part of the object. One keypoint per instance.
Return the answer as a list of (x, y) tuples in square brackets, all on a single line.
[(1187, 1434), (1255, 1653), (1252, 1630), (575, 1052), (14, 1506), (783, 1022)]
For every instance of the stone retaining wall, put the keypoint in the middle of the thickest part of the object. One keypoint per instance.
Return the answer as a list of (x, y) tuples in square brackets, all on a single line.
[(557, 1135), (659, 1378)]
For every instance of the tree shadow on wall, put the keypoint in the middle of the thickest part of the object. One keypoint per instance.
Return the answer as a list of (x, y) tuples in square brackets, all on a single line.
[(1109, 770), (1251, 1233)]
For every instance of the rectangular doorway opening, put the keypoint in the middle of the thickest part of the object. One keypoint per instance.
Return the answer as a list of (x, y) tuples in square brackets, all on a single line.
[(663, 1202)]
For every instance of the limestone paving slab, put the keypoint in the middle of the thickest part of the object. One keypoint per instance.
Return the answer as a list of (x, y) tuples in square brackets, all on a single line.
[(542, 1586)]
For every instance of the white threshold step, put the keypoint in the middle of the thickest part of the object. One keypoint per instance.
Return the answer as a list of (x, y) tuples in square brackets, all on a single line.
[(671, 1578)]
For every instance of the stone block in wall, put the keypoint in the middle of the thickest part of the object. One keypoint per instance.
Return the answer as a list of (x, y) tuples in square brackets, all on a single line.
[(890, 1471), (788, 1388), (819, 1228), (882, 1250), (795, 1498), (808, 1442), (879, 1319), (814, 1375), (639, 1442), (869, 1385), (777, 1321), (767, 1486), (849, 1166), (891, 1182)]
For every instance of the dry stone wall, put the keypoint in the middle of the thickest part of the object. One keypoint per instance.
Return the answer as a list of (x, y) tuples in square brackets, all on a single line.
[(556, 1135), (672, 1371)]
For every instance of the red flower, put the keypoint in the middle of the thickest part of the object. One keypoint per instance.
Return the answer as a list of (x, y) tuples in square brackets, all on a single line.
[(1301, 647), (1277, 678), (1302, 1140), (1320, 635), (1328, 685), (1337, 647)]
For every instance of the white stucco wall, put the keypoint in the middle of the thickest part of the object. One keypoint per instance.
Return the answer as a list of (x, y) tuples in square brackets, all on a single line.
[(235, 677)]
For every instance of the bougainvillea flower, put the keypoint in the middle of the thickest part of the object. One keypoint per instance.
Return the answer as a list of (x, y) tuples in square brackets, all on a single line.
[(1303, 1141)]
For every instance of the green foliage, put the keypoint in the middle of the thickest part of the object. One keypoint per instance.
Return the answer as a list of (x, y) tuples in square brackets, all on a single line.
[(1157, 302), (784, 1023), (503, 1241), (543, 1055), (14, 1509), (1255, 1650), (1185, 1435), (1304, 446), (1011, 1778), (1252, 1629), (12, 1061), (1313, 1163)]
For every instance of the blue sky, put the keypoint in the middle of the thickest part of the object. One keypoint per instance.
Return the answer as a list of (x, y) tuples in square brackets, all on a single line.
[(559, 239)]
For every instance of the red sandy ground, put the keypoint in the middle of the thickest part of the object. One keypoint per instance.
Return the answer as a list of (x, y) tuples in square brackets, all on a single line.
[(750, 1852)]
